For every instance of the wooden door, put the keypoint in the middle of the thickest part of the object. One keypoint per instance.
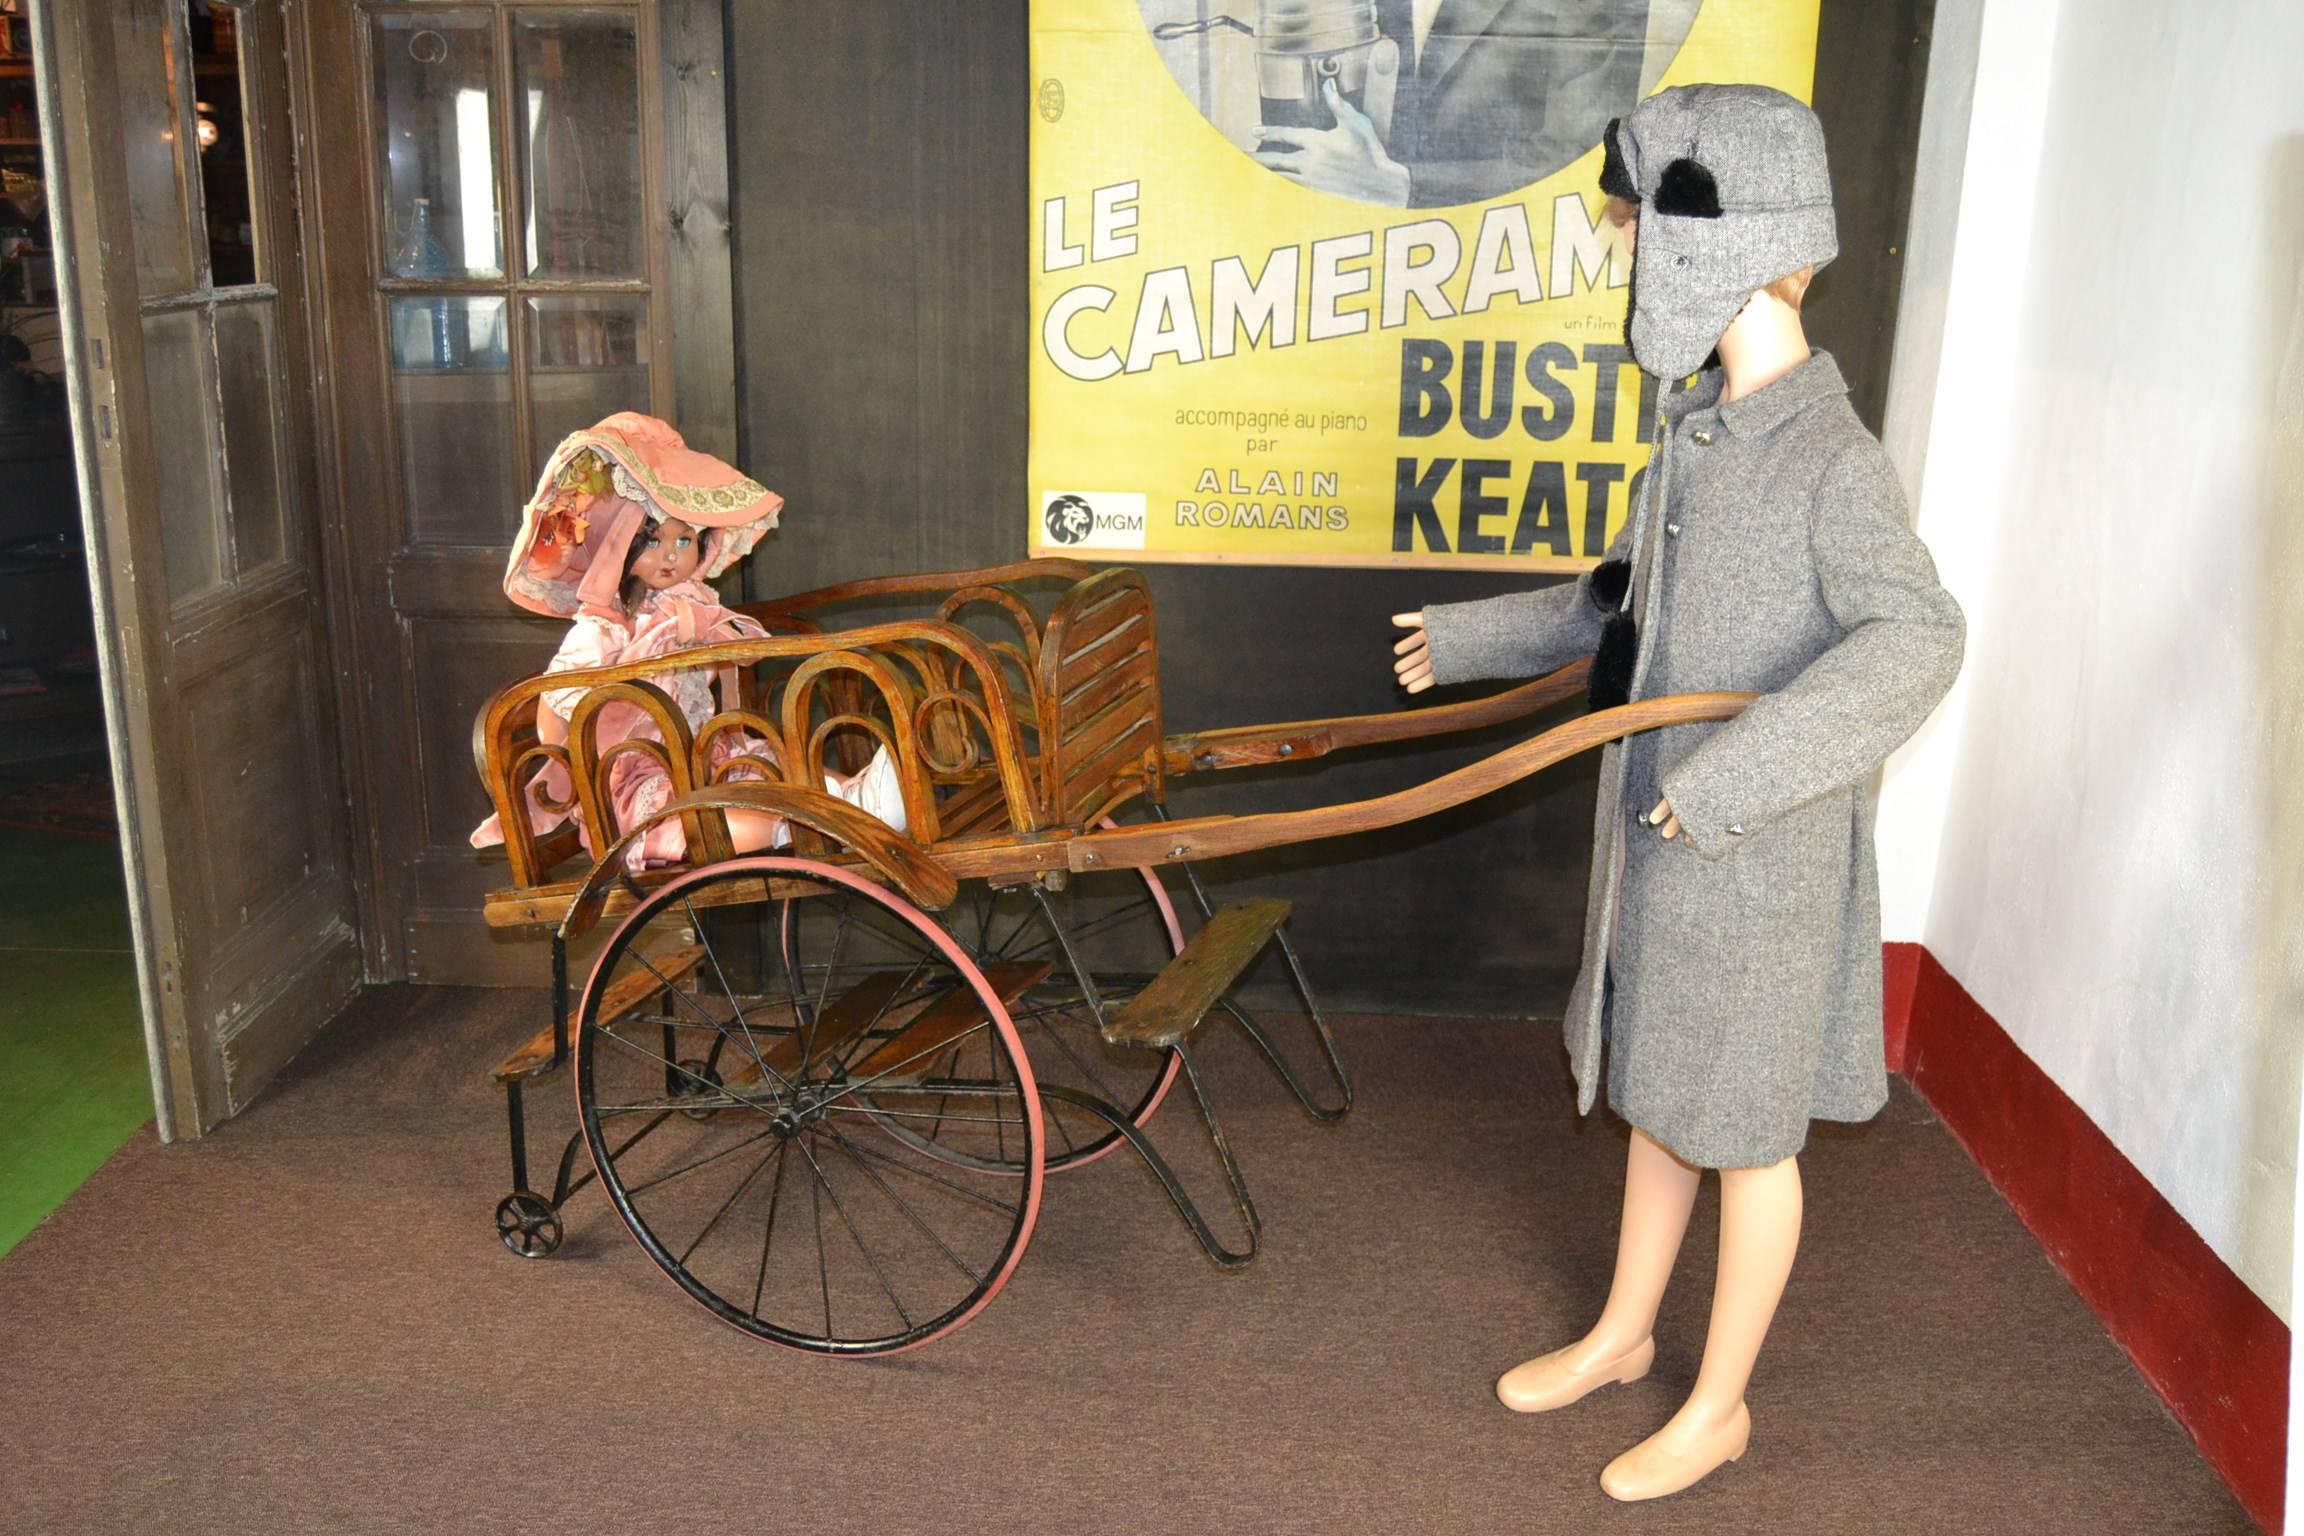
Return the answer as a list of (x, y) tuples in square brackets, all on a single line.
[(186, 350), (523, 230)]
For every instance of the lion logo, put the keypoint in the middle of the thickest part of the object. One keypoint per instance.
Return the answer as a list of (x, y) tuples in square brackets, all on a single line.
[(1069, 519)]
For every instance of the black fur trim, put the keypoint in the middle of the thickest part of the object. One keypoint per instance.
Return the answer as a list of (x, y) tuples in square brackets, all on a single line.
[(1615, 180), (1609, 579), (1688, 190), (1612, 664)]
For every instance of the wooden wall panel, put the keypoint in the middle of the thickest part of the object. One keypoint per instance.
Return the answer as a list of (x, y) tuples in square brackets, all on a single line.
[(251, 756), (459, 667)]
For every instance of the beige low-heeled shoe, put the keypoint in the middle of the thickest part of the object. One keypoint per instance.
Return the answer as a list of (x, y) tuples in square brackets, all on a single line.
[(1548, 1382), (1650, 1471)]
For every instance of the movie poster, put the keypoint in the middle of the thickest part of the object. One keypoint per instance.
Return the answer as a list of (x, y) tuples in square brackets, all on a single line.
[(1325, 282)]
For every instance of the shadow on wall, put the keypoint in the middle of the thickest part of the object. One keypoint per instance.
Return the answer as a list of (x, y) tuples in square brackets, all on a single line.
[(2277, 370)]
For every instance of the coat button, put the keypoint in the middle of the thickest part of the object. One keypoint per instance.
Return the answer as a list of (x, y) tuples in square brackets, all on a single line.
[(1703, 438), (1672, 529)]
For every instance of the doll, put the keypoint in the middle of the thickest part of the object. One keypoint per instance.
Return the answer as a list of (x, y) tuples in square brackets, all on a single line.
[(1732, 933), (626, 527)]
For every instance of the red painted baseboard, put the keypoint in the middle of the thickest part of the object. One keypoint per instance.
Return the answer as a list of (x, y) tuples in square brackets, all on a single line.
[(2216, 1354), (1899, 978)]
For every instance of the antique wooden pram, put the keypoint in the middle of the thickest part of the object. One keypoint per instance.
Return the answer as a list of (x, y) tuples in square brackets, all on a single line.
[(870, 1047)]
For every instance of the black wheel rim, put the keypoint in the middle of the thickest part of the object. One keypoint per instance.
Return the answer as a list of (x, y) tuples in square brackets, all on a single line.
[(772, 1196)]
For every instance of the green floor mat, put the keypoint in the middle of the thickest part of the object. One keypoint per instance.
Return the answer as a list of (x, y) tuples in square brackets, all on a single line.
[(73, 1079)]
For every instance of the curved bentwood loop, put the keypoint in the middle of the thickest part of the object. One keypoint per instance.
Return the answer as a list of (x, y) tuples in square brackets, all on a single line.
[(827, 1132)]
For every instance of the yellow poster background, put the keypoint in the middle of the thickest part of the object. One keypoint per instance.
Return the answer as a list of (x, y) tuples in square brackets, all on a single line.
[(1294, 454)]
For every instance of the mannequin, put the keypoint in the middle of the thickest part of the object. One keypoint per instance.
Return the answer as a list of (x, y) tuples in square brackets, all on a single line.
[(1779, 561)]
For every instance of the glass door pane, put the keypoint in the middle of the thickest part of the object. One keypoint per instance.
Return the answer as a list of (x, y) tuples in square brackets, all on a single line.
[(152, 129), (244, 368), (579, 101), (182, 398), (436, 120), (587, 358), (452, 409)]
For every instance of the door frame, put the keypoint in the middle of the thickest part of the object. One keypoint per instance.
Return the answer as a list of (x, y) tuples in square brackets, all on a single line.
[(132, 650)]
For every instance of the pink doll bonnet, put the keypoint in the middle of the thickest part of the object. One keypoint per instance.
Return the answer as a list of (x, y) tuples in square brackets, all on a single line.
[(600, 486)]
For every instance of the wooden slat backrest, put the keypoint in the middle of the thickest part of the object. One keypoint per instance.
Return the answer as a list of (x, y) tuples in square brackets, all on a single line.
[(1100, 677)]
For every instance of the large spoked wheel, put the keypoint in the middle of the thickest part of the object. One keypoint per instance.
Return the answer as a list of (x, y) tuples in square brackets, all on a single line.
[(1118, 927), (749, 1161)]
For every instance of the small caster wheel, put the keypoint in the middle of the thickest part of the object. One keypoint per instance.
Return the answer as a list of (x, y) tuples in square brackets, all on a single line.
[(697, 1075), (528, 1224)]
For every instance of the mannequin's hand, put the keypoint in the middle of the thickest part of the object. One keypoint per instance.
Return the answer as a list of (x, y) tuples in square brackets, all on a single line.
[(1413, 663), (1348, 159), (1662, 817)]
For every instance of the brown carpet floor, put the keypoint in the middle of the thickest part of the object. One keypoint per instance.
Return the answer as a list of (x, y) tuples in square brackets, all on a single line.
[(305, 1323)]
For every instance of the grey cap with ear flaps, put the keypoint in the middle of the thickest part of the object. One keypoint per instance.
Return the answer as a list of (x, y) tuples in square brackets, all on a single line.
[(1734, 193)]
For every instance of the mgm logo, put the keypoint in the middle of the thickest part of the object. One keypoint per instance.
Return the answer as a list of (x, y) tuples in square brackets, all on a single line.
[(1093, 519)]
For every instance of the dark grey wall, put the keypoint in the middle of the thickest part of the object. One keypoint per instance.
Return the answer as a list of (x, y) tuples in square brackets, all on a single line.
[(882, 265)]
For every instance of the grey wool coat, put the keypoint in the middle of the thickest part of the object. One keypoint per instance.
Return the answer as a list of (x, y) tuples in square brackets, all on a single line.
[(1734, 972)]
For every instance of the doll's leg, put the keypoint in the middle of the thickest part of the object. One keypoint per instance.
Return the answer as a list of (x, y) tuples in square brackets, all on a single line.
[(1659, 1192), (1759, 1234), (757, 831)]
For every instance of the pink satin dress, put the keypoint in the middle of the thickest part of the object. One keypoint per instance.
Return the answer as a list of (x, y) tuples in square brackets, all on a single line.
[(676, 619)]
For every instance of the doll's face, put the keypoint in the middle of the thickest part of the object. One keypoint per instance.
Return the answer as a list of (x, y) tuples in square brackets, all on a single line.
[(670, 552)]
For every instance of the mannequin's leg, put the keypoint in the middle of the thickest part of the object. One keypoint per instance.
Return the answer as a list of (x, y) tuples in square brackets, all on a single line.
[(1659, 1192), (1759, 1234)]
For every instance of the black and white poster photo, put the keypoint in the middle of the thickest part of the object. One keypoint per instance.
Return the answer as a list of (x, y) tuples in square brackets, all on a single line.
[(1416, 103)]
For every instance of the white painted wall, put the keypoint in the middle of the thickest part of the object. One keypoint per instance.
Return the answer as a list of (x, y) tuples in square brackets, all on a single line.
[(2098, 389)]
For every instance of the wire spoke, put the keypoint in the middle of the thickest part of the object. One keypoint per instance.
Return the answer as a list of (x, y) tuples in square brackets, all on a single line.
[(668, 1021), (857, 1045), (930, 1232), (855, 1088), (932, 1177), (1088, 929), (765, 1159), (823, 1264), (880, 1111), (951, 1064), (816, 1014), (1022, 922), (999, 1132), (863, 1247), (695, 1007), (630, 1190), (1074, 1056), (899, 934), (685, 1104), (703, 1083), (696, 926), (768, 1233)]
